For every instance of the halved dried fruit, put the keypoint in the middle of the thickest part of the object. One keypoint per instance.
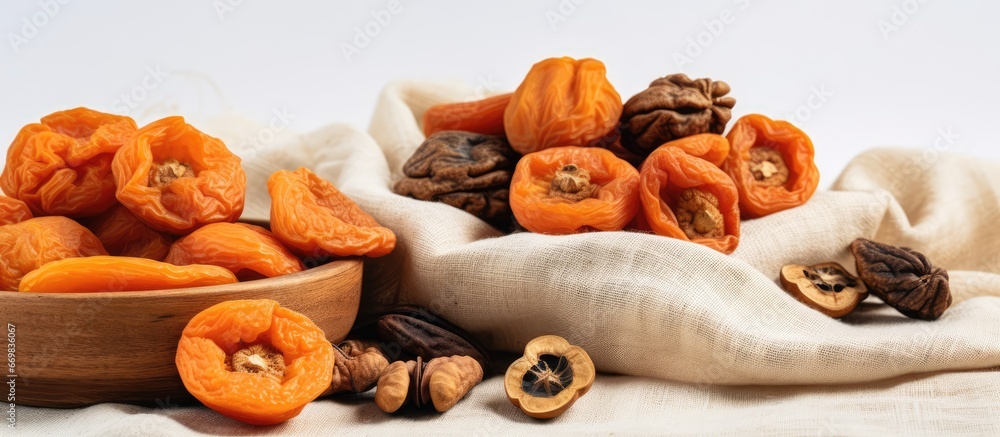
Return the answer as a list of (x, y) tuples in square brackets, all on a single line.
[(827, 288), (549, 378)]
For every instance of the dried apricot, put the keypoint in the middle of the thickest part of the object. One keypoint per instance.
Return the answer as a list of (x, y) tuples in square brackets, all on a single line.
[(312, 216), (562, 102), (123, 234), (177, 179), (13, 211), (30, 244), (254, 361), (250, 252), (771, 162), (62, 166), (482, 116), (688, 198), (119, 273), (713, 148), (565, 190)]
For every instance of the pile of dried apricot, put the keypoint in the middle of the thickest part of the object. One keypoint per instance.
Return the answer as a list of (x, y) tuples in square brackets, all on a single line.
[(584, 161), (155, 208)]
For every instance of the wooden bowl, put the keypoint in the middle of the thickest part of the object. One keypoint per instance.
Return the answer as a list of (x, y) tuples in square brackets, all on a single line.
[(77, 349)]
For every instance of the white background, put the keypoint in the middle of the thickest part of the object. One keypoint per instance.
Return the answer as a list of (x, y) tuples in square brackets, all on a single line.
[(908, 73)]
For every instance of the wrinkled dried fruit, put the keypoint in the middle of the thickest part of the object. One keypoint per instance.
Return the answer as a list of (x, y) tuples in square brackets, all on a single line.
[(118, 273), (312, 216), (563, 102), (177, 179), (482, 116), (426, 335), (771, 163), (442, 382), (250, 252), (13, 211), (216, 336), (62, 166), (463, 169), (549, 378), (674, 107), (710, 147), (903, 278), (827, 288), (356, 371), (565, 190), (690, 199), (30, 244), (123, 234), (394, 386)]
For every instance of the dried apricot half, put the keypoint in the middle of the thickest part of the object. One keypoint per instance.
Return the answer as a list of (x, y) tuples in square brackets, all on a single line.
[(119, 273), (250, 252)]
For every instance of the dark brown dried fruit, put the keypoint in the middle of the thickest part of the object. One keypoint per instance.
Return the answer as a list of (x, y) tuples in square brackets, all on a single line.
[(423, 334), (674, 107), (903, 278), (827, 288), (466, 170)]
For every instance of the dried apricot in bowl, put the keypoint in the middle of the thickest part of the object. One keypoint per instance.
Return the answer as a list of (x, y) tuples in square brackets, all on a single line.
[(177, 179), (119, 273), (565, 190), (62, 166), (123, 234), (254, 361), (312, 216), (30, 244), (249, 251)]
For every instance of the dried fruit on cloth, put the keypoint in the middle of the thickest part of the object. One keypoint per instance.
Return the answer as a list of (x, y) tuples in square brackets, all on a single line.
[(123, 234), (250, 252), (827, 288), (563, 102), (466, 170), (482, 116), (689, 198), (441, 382), (177, 179), (30, 244), (119, 273), (254, 361), (62, 166), (674, 107), (13, 211), (549, 378), (312, 216), (903, 278), (565, 190), (771, 163)]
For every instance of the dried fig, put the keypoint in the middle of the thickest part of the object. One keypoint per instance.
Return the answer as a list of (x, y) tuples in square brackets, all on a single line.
[(827, 288), (903, 278)]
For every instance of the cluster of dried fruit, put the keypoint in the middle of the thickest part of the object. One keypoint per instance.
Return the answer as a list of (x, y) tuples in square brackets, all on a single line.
[(903, 278), (657, 163), (154, 208)]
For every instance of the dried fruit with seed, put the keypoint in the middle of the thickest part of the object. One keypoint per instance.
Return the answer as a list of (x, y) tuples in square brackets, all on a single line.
[(13, 211), (771, 163), (62, 166), (674, 107), (549, 378), (254, 361), (903, 278), (463, 169), (827, 288), (313, 217), (482, 116), (118, 273), (123, 234), (176, 178), (565, 190), (688, 198), (563, 102), (250, 252), (30, 244)]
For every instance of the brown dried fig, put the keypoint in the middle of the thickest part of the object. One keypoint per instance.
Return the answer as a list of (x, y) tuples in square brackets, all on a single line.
[(354, 370), (827, 288), (903, 278)]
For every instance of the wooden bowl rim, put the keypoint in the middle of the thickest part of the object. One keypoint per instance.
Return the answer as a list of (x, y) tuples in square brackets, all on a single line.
[(330, 269)]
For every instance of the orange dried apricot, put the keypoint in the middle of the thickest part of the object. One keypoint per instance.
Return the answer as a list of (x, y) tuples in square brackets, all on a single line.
[(119, 273), (713, 148), (771, 162), (123, 234), (30, 244), (250, 252), (482, 116), (562, 102), (688, 198), (62, 166), (312, 216), (565, 190), (254, 361), (13, 211), (176, 178)]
